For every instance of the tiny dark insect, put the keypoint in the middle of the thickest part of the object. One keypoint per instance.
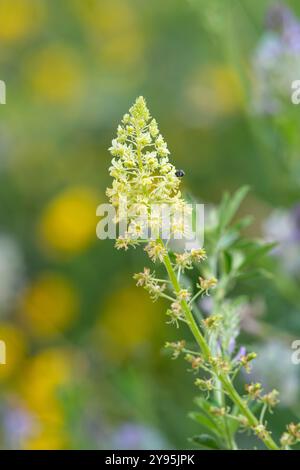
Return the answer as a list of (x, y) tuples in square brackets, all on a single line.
[(179, 173)]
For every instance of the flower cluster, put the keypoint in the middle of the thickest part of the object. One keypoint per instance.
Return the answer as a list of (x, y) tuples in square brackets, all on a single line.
[(185, 260), (177, 348), (270, 399), (206, 284), (144, 178), (175, 313), (253, 390), (150, 283), (246, 359), (156, 251), (291, 436), (195, 361)]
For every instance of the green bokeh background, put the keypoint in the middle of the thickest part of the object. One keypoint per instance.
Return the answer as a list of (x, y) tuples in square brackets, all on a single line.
[(85, 361)]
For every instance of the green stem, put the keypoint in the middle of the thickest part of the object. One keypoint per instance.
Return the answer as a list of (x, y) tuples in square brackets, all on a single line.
[(220, 398), (188, 314), (224, 379), (262, 414), (138, 150), (195, 297)]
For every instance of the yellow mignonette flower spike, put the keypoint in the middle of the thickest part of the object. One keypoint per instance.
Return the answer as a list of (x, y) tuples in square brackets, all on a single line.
[(142, 174)]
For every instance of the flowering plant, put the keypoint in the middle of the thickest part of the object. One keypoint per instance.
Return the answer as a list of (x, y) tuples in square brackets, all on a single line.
[(143, 175)]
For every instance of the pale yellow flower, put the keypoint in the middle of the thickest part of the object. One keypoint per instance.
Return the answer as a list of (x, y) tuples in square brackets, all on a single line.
[(142, 174), (206, 284)]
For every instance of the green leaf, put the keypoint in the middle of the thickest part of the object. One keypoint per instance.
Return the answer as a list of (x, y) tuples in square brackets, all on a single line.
[(229, 206), (227, 240), (204, 404), (233, 424), (257, 251), (205, 421), (255, 273), (238, 258), (242, 223), (227, 262), (206, 441), (232, 235)]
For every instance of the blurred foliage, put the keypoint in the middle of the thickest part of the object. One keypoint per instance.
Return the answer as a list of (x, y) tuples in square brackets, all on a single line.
[(78, 375)]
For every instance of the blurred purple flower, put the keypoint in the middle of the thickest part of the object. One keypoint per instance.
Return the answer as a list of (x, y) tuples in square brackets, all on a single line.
[(131, 436), (291, 37), (281, 20), (242, 352), (295, 213), (18, 424), (206, 304), (283, 227), (276, 61), (231, 345), (274, 369), (249, 314), (278, 17)]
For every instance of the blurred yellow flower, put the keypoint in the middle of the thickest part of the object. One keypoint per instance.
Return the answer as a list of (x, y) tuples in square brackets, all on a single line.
[(49, 305), (213, 91), (20, 18), (15, 348), (113, 29), (41, 380), (47, 439), (68, 224), (43, 377), (55, 74), (128, 322)]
